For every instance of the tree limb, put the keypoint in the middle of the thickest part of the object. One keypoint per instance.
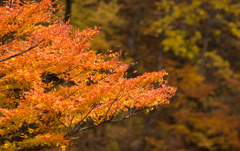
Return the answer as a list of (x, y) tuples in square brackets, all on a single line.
[(75, 133), (18, 54)]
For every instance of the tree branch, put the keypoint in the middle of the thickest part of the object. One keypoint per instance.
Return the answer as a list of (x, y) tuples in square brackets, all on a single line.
[(105, 119), (18, 54), (77, 127), (74, 133)]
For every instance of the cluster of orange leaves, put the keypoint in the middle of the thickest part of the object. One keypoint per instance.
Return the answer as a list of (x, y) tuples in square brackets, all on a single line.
[(91, 89)]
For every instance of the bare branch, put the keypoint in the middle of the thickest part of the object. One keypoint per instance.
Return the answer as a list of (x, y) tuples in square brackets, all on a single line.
[(21, 52), (11, 4), (74, 133), (126, 117)]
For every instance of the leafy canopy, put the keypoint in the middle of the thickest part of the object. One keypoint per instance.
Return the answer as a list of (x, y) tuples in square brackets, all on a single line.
[(52, 86)]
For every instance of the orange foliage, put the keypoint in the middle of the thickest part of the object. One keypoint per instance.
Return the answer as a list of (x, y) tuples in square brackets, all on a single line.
[(52, 86)]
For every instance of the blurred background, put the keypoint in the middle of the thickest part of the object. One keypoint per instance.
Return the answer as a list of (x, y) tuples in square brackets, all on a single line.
[(198, 43)]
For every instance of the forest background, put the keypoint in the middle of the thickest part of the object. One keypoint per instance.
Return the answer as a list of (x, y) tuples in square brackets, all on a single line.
[(198, 43)]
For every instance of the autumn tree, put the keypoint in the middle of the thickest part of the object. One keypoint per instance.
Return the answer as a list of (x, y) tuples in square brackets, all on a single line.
[(53, 86)]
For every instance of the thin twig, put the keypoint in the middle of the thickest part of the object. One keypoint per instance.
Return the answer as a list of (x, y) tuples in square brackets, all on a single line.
[(11, 4), (77, 127), (105, 119)]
